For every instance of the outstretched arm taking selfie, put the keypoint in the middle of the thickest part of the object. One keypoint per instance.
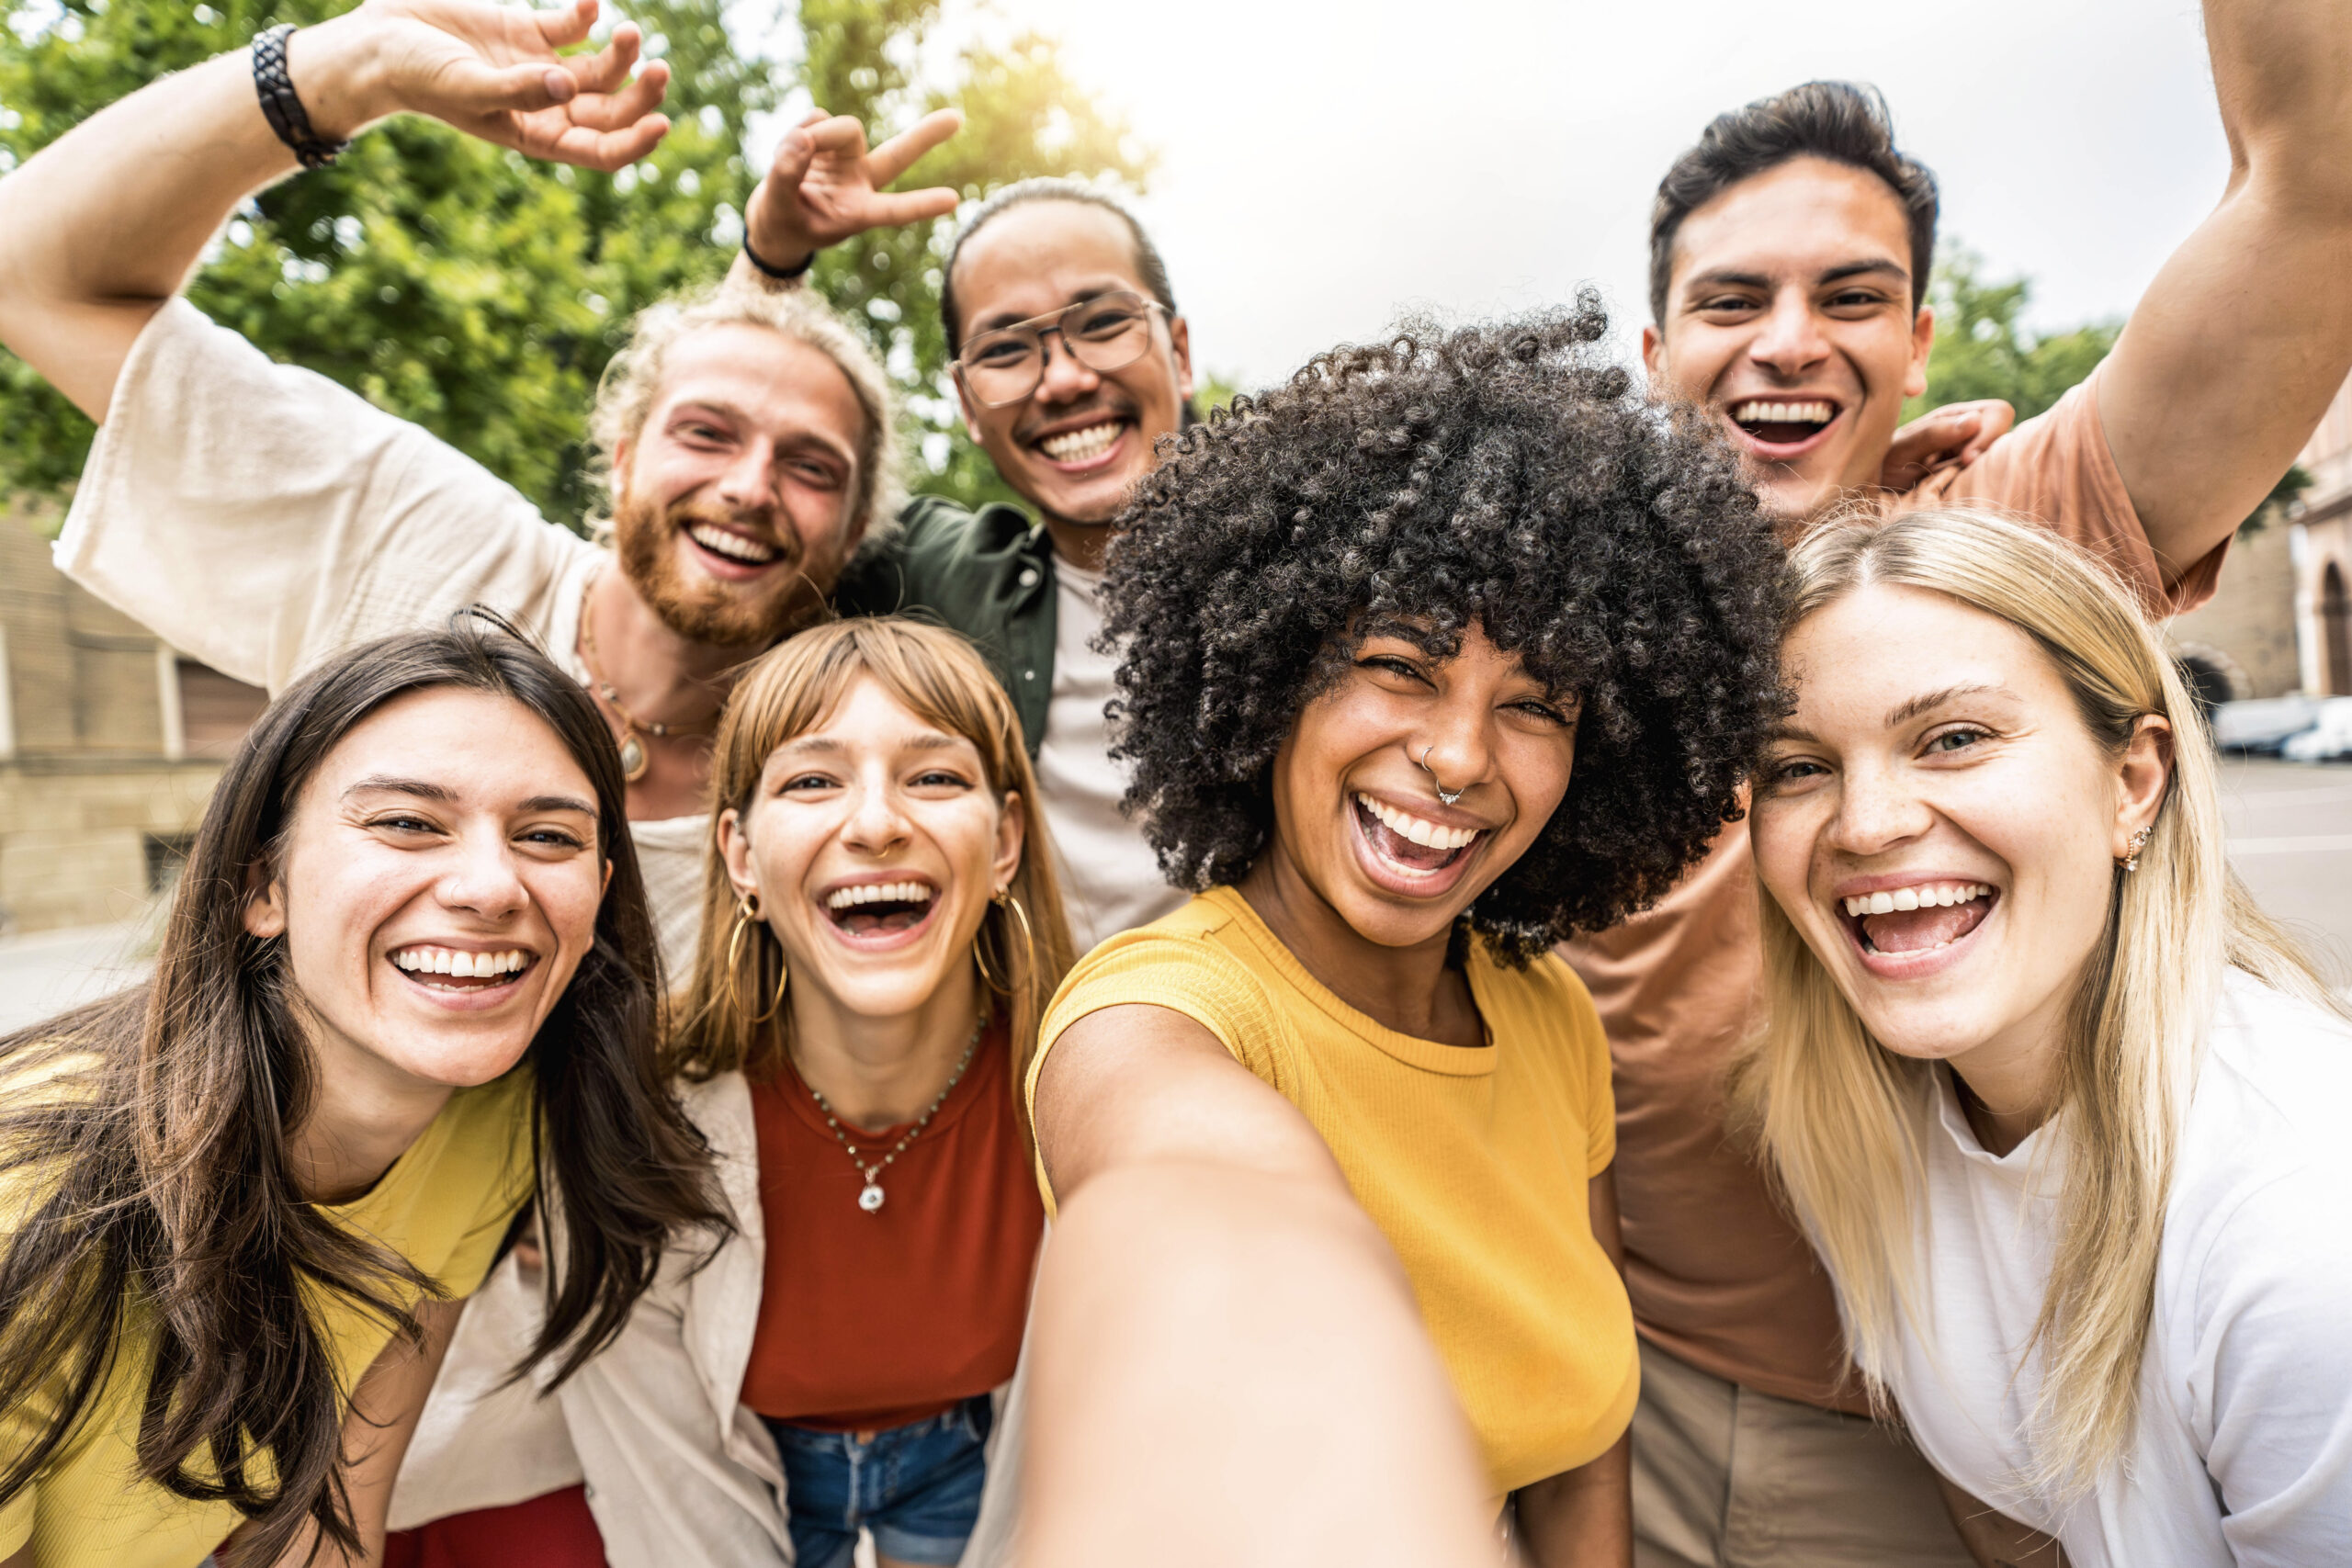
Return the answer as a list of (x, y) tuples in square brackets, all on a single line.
[(2246, 334), (101, 228), (1229, 1366)]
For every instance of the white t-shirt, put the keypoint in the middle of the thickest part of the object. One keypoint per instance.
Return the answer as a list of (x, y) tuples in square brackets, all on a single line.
[(2243, 1454), (258, 517), (1109, 881)]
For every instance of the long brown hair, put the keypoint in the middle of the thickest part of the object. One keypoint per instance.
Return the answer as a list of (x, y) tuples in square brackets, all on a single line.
[(788, 692), (164, 1151)]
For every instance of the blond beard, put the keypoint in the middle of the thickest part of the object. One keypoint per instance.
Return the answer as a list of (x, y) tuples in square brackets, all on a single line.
[(751, 617)]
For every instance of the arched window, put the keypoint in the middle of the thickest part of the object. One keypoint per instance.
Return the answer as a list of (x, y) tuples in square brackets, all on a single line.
[(2335, 630)]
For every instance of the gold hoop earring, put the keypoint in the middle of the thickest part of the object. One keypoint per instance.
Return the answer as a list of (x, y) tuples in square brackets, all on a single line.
[(2131, 851), (1003, 898), (746, 910)]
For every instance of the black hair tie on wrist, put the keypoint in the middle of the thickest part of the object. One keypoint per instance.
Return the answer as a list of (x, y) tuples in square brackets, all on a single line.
[(279, 104), (781, 273)]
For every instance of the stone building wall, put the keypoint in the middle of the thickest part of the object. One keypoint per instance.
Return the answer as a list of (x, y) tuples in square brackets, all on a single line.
[(101, 780)]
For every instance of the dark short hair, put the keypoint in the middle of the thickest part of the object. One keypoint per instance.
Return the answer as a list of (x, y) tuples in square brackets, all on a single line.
[(1149, 267), (1510, 475), (1845, 123)]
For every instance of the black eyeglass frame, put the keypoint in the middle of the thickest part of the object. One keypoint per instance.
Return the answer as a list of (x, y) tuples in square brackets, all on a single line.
[(1037, 327)]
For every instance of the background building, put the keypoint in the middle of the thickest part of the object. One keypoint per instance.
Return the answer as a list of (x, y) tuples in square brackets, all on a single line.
[(109, 744), (2323, 555)]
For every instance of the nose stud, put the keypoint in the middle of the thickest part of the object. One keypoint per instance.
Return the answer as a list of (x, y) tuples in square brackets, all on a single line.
[(1445, 796)]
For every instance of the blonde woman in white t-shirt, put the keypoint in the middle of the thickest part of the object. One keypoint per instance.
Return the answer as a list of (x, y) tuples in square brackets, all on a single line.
[(2061, 1109)]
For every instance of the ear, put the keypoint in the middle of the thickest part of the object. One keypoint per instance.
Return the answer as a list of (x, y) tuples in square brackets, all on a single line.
[(735, 853), (2140, 779), (971, 414), (1654, 356), (1923, 339), (265, 910), (1180, 353), (1011, 835), (624, 449)]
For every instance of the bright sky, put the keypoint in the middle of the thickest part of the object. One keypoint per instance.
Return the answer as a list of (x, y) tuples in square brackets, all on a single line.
[(1323, 164)]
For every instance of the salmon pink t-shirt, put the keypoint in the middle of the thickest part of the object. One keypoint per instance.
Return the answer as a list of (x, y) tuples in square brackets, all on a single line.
[(1719, 1274), (875, 1320)]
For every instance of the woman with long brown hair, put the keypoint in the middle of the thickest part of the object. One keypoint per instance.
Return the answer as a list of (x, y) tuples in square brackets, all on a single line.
[(882, 930), (408, 980)]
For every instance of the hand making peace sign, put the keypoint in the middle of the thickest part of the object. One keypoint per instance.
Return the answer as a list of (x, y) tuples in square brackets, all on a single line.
[(825, 185)]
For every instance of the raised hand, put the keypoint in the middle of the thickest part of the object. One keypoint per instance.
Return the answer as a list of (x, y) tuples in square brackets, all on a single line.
[(493, 72), (1952, 436), (825, 185)]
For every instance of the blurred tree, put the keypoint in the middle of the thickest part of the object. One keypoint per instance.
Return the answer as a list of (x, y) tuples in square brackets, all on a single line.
[(1981, 351), (480, 293)]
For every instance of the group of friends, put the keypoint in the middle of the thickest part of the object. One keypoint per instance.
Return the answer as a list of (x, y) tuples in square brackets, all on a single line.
[(1606, 968)]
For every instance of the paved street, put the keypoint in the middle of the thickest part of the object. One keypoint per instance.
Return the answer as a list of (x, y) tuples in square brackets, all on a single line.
[(2291, 838)]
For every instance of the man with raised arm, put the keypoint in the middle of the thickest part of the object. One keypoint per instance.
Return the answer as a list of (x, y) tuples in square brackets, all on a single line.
[(258, 516), (1790, 251)]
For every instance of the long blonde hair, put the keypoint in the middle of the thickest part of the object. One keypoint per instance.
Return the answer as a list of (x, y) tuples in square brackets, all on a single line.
[(1842, 1118), (788, 692)]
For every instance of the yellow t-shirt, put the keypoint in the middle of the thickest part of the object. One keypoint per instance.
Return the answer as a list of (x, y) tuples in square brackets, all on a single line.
[(1474, 1161), (444, 1205)]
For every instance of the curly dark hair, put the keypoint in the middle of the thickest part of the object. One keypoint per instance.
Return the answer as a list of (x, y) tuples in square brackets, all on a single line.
[(1509, 475)]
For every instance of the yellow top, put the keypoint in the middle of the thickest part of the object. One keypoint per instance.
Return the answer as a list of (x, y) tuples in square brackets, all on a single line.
[(1473, 1160), (444, 1205)]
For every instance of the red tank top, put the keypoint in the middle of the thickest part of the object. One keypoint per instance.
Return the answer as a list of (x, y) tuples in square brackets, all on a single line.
[(875, 1320)]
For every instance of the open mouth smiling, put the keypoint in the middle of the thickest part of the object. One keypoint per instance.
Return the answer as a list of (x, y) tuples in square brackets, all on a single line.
[(737, 549), (881, 909), (1083, 446), (1782, 422), (1911, 922), (461, 970), (1412, 854)]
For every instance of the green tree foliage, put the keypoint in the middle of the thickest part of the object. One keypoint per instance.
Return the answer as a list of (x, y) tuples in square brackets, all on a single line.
[(1984, 351), (480, 293)]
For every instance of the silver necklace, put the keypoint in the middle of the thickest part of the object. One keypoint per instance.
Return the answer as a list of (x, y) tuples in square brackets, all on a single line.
[(870, 1197)]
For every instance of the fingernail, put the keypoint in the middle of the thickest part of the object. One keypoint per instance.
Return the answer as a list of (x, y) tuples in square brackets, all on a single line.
[(561, 86)]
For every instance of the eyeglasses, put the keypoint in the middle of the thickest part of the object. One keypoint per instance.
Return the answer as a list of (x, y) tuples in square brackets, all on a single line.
[(1003, 366)]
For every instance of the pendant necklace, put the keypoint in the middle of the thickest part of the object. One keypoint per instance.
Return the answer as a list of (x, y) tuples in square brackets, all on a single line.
[(634, 757), (870, 1198)]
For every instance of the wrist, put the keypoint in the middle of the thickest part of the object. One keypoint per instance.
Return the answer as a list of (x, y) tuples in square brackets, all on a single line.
[(337, 70), (774, 249)]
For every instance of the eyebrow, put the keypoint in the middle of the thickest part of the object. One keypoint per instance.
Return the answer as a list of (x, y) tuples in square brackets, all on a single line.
[(421, 789), (996, 319), (1903, 713), (384, 783), (929, 740), (1720, 278)]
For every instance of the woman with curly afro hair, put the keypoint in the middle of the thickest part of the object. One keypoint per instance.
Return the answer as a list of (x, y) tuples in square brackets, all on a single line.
[(1449, 648)]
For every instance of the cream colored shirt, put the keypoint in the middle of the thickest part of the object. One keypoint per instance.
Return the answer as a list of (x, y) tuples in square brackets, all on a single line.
[(258, 517), (1111, 883)]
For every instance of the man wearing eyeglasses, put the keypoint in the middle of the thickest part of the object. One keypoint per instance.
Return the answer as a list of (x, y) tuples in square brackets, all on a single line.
[(1071, 363)]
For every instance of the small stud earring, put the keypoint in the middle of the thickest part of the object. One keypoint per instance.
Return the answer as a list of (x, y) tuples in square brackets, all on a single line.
[(2131, 851)]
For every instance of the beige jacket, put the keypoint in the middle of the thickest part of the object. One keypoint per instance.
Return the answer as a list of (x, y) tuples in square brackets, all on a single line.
[(680, 1474)]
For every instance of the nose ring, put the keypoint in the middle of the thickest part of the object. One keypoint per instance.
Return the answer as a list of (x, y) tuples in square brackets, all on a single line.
[(1444, 795)]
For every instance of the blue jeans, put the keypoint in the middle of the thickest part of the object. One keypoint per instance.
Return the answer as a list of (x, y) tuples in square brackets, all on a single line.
[(917, 1487)]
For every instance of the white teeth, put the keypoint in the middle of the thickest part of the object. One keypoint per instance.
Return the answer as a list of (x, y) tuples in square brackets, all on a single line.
[(1925, 896), (879, 892), (1079, 445), (1758, 412), (733, 545), (1429, 835), (459, 963)]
